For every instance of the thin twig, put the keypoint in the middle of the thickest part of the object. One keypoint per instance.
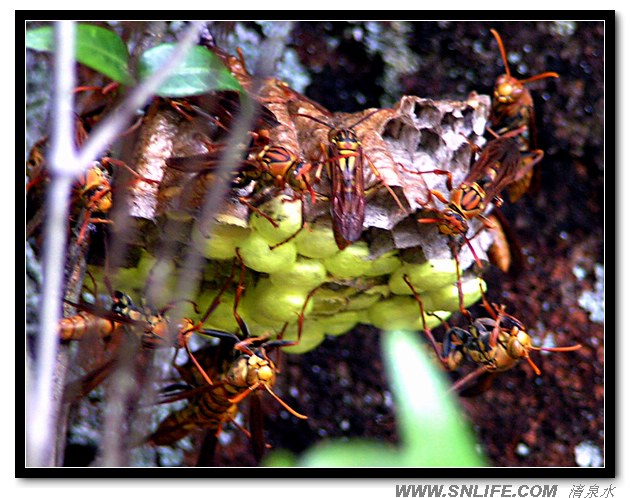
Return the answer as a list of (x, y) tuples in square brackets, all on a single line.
[(192, 267), (41, 416), (65, 165)]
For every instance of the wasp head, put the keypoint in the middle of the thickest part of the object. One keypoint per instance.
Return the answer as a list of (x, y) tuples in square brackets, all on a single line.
[(344, 140), (452, 222), (508, 89)]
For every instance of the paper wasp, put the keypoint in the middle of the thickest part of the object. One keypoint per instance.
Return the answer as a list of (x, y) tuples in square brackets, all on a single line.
[(151, 329), (246, 373), (91, 200), (513, 107), (92, 191), (239, 367), (269, 166), (496, 343), (264, 163), (500, 163), (345, 160)]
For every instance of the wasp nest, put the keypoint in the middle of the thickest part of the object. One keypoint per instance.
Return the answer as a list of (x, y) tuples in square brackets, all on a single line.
[(286, 237)]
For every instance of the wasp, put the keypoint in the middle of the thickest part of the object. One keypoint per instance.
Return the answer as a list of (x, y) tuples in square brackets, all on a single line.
[(94, 320), (150, 326), (272, 166), (239, 368), (496, 343), (91, 198), (123, 320), (91, 192), (345, 162), (499, 165), (513, 107), (264, 163), (248, 372)]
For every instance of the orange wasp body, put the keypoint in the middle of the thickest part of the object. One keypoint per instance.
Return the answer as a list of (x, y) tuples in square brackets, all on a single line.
[(239, 367), (247, 372), (513, 107), (499, 165), (268, 165), (496, 344)]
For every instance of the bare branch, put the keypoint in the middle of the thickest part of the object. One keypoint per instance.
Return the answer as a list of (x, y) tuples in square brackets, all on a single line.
[(41, 423), (65, 165)]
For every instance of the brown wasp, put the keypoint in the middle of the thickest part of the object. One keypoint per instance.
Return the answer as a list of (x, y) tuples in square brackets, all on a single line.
[(91, 199), (500, 163), (264, 163), (273, 167), (239, 367), (92, 191), (149, 326), (496, 343), (512, 108), (247, 371), (345, 162), (123, 325)]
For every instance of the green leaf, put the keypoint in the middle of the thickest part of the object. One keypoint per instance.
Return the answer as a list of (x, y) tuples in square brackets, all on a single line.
[(279, 458), (200, 72), (431, 424), (96, 47), (353, 453), (40, 39), (432, 429)]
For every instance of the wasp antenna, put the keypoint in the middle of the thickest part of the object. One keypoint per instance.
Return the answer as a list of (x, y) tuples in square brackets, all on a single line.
[(368, 115), (429, 220), (502, 49), (284, 405), (548, 74), (561, 349), (533, 365), (314, 119)]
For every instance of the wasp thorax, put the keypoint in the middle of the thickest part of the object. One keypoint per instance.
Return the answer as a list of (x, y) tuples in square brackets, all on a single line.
[(454, 360), (483, 356), (95, 189), (238, 374), (299, 175)]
